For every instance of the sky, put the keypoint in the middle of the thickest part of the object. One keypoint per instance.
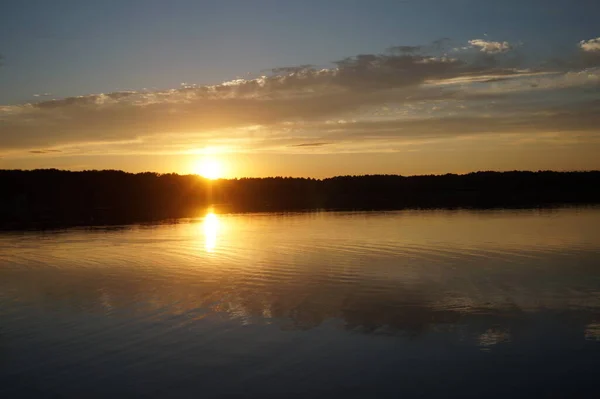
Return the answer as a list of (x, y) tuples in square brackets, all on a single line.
[(300, 88)]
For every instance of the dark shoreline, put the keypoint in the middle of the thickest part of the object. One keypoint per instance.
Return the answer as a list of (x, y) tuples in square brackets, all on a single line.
[(117, 224), (51, 199)]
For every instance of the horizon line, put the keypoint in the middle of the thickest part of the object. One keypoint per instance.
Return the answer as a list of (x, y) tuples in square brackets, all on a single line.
[(306, 177)]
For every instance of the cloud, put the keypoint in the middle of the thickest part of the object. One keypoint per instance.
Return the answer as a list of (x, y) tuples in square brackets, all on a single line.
[(44, 151), (589, 53), (490, 47), (309, 145), (442, 121), (406, 93), (293, 93), (592, 45)]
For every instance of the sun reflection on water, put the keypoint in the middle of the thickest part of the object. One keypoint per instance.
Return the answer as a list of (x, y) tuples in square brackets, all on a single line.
[(211, 231)]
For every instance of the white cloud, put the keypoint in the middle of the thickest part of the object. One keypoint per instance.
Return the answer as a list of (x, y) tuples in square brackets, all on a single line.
[(490, 47), (592, 45)]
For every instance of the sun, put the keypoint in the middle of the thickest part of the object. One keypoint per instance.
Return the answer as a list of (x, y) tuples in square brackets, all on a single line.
[(210, 169)]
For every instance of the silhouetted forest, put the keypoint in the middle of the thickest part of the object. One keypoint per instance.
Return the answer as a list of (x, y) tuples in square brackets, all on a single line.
[(49, 197)]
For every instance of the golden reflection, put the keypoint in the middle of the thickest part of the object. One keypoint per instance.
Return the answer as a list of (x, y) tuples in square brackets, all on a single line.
[(493, 337), (211, 230)]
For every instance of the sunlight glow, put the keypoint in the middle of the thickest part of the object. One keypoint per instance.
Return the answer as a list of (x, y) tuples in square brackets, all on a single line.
[(210, 169), (211, 230)]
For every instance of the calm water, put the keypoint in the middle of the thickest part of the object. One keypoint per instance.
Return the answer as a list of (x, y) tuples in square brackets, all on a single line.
[(420, 303)]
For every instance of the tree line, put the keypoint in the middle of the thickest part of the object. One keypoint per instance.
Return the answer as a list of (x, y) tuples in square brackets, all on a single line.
[(51, 197)]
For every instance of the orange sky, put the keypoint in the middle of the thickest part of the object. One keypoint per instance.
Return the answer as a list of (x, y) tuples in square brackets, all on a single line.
[(407, 110)]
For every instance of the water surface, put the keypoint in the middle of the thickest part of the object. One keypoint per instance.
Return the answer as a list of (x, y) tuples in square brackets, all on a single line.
[(417, 303)]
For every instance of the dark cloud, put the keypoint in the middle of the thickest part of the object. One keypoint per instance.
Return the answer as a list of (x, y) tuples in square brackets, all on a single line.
[(404, 49), (293, 69), (44, 151)]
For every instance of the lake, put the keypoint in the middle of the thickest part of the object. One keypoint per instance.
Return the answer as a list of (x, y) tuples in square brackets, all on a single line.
[(502, 303)]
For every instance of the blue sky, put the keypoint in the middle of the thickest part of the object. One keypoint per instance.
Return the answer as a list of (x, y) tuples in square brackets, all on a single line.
[(80, 47), (57, 49)]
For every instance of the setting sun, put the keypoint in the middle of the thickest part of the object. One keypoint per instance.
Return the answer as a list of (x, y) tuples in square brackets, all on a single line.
[(210, 169)]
